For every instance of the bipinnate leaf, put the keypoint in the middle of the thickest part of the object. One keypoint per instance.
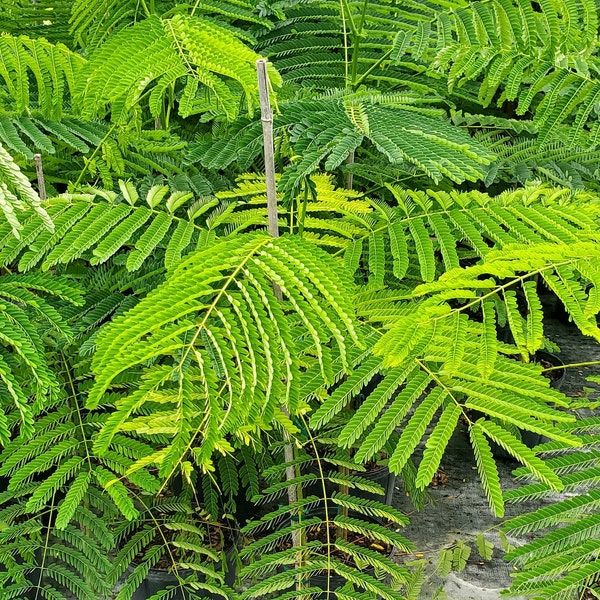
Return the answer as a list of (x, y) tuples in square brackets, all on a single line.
[(224, 341)]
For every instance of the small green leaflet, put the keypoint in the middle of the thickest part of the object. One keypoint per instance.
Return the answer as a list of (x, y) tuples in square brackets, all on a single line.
[(485, 548)]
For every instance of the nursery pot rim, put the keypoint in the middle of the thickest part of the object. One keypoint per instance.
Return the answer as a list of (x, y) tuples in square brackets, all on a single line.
[(557, 362), (227, 549)]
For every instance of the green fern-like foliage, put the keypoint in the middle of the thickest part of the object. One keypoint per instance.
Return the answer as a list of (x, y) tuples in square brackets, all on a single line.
[(37, 72), (93, 22), (204, 67), (419, 365), (419, 393), (48, 19), (58, 489), (37, 116), (427, 380), (192, 336), (326, 130), (571, 276), (327, 44), (322, 213), (210, 57), (60, 501), (24, 136), (477, 53), (226, 346), (522, 158), (100, 224), (542, 55), (211, 60), (17, 194), (30, 313), (112, 154), (389, 243), (315, 547), (64, 143), (401, 241), (562, 559), (433, 147), (54, 564), (171, 534)]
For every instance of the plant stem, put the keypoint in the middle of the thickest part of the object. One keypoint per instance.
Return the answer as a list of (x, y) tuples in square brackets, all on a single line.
[(581, 364), (345, 30), (328, 541), (371, 69), (302, 215), (356, 34), (342, 532), (73, 401), (147, 12), (96, 150), (349, 175)]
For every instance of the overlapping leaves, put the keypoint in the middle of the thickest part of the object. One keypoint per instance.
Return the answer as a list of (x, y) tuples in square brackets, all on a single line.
[(218, 349)]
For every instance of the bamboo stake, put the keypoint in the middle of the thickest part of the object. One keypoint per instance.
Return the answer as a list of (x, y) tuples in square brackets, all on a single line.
[(266, 116), (39, 169)]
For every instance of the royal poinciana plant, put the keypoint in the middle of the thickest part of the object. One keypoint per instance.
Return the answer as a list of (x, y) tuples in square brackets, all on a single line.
[(154, 337)]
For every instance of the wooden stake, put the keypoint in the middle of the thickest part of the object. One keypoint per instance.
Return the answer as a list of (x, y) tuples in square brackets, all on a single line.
[(39, 169), (266, 116)]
